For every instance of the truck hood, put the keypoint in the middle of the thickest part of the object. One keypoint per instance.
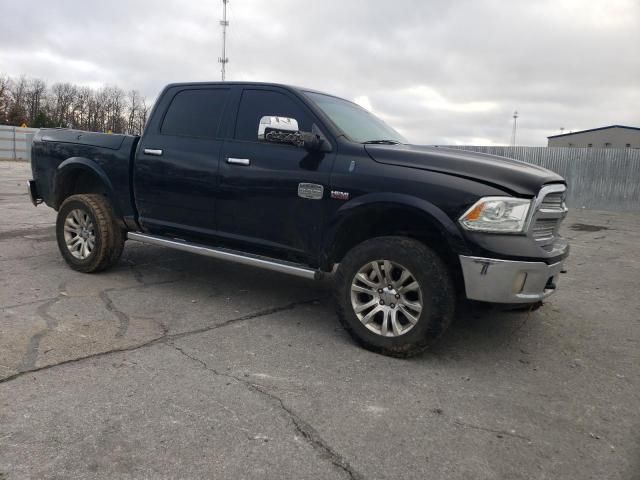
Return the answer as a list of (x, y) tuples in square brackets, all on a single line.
[(507, 174)]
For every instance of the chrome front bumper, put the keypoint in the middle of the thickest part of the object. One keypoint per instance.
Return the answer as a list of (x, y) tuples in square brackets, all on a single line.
[(507, 281)]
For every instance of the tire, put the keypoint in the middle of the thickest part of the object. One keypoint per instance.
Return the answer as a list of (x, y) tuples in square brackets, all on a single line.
[(89, 220), (435, 294)]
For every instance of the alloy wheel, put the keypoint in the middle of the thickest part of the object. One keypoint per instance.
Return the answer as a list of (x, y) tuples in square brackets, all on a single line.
[(79, 234), (386, 298)]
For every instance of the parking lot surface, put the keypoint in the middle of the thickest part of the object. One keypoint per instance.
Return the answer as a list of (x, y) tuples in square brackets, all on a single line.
[(177, 366)]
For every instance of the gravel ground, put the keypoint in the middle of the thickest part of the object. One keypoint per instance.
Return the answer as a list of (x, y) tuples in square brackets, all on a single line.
[(177, 366)]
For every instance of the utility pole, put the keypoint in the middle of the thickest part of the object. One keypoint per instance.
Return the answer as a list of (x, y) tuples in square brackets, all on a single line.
[(515, 128), (225, 23)]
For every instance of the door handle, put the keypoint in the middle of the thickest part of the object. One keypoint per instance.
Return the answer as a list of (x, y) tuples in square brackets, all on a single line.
[(239, 161), (153, 151)]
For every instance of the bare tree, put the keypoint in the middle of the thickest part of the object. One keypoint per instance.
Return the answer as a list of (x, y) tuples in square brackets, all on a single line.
[(138, 111), (101, 99), (116, 103), (134, 105), (80, 108), (71, 106), (5, 82), (35, 98), (143, 115), (17, 111), (62, 98)]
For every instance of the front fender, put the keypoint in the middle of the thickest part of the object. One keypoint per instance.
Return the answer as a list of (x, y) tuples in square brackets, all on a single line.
[(371, 202)]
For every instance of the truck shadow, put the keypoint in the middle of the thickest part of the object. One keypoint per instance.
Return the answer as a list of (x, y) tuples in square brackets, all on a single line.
[(476, 327), (479, 328)]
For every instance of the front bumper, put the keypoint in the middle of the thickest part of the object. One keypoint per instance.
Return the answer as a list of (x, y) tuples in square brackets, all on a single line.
[(508, 281)]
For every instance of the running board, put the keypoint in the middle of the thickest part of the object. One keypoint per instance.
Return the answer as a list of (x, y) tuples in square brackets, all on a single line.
[(231, 255)]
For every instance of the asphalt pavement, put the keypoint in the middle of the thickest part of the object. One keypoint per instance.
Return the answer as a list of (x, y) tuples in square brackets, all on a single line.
[(172, 365)]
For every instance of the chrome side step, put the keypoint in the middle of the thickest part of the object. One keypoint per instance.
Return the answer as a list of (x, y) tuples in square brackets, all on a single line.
[(226, 254)]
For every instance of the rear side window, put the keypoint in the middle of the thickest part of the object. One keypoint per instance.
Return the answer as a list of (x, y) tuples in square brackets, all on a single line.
[(195, 113), (256, 104)]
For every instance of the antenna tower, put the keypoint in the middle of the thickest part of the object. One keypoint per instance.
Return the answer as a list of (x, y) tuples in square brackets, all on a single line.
[(224, 23), (515, 128)]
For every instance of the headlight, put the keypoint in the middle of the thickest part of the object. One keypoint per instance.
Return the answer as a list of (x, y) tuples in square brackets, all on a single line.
[(497, 214)]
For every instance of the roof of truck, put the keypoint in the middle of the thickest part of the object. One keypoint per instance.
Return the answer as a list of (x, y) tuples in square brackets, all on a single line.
[(256, 84)]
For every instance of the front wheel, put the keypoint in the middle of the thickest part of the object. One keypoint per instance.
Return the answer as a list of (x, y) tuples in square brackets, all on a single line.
[(395, 296), (88, 236)]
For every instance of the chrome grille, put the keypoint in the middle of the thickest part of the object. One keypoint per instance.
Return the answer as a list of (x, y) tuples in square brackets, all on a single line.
[(553, 201), (544, 228), (549, 211)]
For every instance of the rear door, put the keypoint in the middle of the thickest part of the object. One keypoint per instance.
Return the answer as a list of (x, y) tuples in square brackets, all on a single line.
[(176, 171), (273, 196)]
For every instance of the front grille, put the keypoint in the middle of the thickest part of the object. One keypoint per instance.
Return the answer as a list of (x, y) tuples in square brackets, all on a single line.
[(553, 201), (544, 228), (549, 212)]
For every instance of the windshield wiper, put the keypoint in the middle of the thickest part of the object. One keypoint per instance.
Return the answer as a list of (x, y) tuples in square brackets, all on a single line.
[(382, 142)]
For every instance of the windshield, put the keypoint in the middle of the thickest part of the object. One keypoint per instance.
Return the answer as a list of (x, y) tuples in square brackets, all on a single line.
[(355, 122)]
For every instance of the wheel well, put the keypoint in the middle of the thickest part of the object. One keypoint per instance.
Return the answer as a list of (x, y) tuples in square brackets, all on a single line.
[(79, 181), (396, 221)]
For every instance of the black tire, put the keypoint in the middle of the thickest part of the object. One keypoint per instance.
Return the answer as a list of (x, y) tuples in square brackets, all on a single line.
[(436, 289), (109, 236)]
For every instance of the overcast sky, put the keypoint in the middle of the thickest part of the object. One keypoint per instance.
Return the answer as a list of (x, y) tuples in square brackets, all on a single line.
[(440, 71)]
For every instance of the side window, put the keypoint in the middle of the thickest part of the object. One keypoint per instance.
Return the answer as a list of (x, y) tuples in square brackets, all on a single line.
[(256, 104), (195, 113)]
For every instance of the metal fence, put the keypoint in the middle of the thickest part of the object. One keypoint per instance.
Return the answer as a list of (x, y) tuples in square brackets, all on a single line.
[(597, 178), (15, 142)]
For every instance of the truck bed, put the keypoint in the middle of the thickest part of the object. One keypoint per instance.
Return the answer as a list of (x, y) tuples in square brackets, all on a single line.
[(57, 153)]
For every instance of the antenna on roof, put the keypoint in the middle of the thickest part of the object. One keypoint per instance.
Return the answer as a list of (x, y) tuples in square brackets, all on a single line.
[(224, 23), (515, 128)]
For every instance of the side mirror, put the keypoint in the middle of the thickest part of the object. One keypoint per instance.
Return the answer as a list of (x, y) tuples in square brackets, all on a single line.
[(276, 129), (269, 124)]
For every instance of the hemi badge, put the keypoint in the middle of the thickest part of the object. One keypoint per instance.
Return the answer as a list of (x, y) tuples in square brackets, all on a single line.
[(339, 195)]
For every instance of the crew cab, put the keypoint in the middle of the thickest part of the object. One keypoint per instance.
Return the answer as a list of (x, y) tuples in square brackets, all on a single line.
[(309, 184)]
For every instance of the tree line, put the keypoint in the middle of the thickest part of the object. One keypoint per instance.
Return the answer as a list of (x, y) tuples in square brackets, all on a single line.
[(29, 101)]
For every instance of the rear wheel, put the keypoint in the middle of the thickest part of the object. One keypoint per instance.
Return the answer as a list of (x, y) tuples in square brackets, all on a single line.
[(394, 295), (88, 236)]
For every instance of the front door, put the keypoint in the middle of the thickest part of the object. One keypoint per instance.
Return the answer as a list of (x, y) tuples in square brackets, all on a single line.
[(176, 171), (272, 196)]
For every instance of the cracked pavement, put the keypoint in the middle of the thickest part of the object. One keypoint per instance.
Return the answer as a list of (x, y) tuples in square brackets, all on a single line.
[(177, 366)]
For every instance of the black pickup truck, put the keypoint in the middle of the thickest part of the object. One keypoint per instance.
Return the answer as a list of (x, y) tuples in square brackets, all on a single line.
[(305, 183)]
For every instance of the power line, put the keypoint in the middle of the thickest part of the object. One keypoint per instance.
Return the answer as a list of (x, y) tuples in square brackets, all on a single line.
[(224, 23)]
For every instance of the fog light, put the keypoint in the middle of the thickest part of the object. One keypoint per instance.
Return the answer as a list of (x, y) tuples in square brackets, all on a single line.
[(518, 284)]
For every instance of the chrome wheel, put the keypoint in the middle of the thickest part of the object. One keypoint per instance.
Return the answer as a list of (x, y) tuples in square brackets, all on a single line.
[(386, 298), (79, 234)]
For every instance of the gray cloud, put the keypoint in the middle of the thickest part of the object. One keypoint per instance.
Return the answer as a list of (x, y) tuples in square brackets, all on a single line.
[(440, 71)]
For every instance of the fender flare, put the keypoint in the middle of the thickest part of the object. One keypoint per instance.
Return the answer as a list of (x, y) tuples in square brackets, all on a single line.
[(74, 164), (359, 205)]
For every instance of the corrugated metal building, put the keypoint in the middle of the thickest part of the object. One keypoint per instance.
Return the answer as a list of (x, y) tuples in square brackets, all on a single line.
[(613, 136)]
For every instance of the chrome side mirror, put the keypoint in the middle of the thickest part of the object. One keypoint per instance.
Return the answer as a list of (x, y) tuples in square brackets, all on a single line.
[(285, 130), (275, 124)]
